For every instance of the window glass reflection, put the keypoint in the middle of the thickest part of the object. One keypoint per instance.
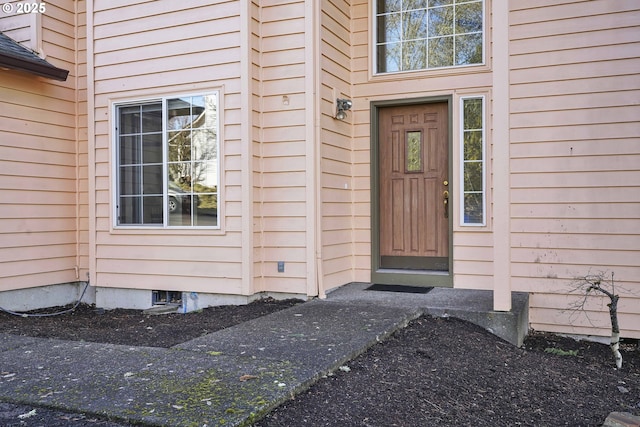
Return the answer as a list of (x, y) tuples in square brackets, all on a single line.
[(130, 179), (472, 110), (130, 210), (414, 25), (440, 49), (473, 145), (130, 150), (206, 212), (440, 21), (152, 148), (473, 165), (152, 179), (473, 210), (167, 184), (451, 31), (193, 160), (389, 57), (152, 118), (152, 210), (129, 120), (468, 18), (434, 3), (468, 49), (414, 55), (385, 6), (472, 176)]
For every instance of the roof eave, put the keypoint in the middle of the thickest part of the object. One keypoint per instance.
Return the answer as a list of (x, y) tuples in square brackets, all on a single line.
[(45, 70)]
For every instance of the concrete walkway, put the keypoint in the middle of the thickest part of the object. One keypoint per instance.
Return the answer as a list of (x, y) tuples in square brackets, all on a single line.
[(232, 376)]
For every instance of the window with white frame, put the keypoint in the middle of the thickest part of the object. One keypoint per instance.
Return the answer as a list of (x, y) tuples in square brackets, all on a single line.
[(473, 181), (167, 162), (426, 34)]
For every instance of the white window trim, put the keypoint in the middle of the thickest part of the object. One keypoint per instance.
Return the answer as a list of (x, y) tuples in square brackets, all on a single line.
[(373, 24), (484, 161), (115, 161)]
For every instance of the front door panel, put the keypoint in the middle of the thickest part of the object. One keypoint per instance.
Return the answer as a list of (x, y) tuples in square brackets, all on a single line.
[(413, 180)]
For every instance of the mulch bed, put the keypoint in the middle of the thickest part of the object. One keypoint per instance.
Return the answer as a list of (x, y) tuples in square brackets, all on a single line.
[(447, 372), (443, 372), (133, 327)]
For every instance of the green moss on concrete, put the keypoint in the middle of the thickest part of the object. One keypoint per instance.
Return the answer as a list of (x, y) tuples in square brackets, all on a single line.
[(211, 397)]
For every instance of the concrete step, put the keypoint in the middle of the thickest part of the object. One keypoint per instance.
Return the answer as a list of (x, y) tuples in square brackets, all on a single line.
[(475, 306)]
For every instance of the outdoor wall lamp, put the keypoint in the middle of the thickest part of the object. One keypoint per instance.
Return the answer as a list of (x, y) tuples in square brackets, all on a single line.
[(342, 106)]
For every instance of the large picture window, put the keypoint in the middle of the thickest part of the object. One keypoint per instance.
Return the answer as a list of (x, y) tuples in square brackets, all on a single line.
[(472, 151), (426, 34), (167, 162)]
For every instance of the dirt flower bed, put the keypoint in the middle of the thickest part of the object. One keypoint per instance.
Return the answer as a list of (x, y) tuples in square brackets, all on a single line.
[(443, 372), (447, 372), (134, 327)]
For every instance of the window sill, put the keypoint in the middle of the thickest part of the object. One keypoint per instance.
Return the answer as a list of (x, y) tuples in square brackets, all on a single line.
[(473, 228), (432, 73), (166, 231)]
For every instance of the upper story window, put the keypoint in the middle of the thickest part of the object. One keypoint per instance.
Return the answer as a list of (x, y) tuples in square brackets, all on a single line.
[(425, 34), (167, 162)]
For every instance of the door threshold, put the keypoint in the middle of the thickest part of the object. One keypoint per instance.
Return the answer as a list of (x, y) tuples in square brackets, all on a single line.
[(412, 272), (400, 288), (412, 277)]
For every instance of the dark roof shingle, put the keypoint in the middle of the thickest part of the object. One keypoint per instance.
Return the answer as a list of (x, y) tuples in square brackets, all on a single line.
[(15, 56)]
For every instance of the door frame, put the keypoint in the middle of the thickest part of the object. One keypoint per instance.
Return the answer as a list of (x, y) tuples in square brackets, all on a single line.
[(400, 276)]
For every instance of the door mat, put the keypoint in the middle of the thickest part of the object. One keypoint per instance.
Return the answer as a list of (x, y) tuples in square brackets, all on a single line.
[(399, 288)]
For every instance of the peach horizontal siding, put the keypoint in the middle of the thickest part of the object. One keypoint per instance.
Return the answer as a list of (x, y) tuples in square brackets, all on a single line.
[(336, 153), (280, 153), (148, 49), (83, 149), (20, 27), (575, 156), (360, 143), (573, 166), (588, 316), (207, 40), (256, 100), (38, 170)]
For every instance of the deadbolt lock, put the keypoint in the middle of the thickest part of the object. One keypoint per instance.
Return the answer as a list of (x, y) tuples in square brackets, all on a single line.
[(445, 183)]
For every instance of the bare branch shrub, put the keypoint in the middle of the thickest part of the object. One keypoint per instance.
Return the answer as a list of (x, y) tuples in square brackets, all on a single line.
[(597, 283)]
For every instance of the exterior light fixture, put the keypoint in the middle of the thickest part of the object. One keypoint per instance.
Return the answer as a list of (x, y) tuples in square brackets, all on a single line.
[(342, 106)]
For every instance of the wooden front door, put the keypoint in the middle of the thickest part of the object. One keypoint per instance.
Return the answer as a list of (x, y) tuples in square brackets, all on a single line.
[(413, 187)]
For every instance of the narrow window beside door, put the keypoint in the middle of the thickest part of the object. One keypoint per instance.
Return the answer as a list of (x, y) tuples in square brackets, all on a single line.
[(472, 180)]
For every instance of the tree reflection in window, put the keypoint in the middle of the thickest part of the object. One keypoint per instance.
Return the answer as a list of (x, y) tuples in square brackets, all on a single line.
[(424, 34), (192, 157), (473, 184), (167, 162)]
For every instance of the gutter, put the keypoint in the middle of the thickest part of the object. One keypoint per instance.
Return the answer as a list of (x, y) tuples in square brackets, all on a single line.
[(39, 68)]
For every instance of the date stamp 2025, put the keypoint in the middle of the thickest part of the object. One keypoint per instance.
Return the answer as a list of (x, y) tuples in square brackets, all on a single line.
[(20, 8)]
